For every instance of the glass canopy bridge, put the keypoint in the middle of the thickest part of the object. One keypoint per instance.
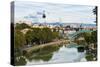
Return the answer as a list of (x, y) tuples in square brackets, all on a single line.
[(74, 35)]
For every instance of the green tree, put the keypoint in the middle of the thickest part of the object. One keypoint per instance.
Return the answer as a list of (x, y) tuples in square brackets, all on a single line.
[(29, 37), (87, 37), (19, 39), (21, 26), (94, 36), (19, 42), (55, 35), (36, 35), (46, 35), (40, 36)]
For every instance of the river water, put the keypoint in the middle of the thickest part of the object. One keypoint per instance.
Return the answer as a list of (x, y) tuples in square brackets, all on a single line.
[(66, 53)]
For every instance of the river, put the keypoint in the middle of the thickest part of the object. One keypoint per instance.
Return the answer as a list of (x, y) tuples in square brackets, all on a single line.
[(65, 53)]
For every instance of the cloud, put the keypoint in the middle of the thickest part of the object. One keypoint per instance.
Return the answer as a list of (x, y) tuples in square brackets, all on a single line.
[(54, 12)]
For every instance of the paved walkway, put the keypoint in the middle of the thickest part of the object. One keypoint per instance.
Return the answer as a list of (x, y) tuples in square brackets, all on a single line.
[(59, 42)]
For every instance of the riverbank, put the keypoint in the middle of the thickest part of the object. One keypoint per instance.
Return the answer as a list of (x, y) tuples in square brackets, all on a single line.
[(59, 42)]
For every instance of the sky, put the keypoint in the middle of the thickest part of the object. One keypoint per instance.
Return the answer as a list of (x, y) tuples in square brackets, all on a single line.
[(64, 13)]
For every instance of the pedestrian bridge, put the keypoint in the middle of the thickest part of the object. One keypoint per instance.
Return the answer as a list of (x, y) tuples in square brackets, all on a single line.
[(73, 35)]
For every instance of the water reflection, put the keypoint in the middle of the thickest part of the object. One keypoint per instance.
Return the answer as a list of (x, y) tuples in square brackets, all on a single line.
[(44, 54), (56, 54)]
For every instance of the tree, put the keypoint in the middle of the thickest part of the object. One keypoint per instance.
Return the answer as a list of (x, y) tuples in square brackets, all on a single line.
[(19, 42), (19, 39), (87, 37), (46, 35), (36, 35), (40, 36), (55, 35), (21, 26), (29, 37), (94, 36)]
